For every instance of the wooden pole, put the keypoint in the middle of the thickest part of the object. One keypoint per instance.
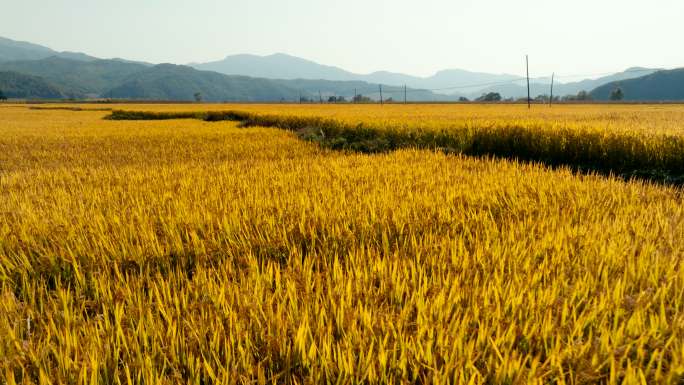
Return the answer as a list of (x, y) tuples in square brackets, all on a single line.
[(527, 66), (404, 93), (380, 86), (320, 97), (551, 98)]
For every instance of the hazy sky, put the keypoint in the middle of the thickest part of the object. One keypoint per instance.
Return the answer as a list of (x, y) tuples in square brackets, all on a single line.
[(416, 37)]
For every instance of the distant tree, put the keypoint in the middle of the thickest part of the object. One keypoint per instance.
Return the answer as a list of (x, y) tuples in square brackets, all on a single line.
[(304, 99), (583, 95), (198, 96), (490, 97), (332, 99), (617, 94), (341, 99), (463, 99), (389, 100), (361, 99), (2, 96)]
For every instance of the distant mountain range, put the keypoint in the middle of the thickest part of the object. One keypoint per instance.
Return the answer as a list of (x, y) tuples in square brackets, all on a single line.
[(173, 82), (282, 66), (56, 77), (32, 71), (11, 50), (454, 82)]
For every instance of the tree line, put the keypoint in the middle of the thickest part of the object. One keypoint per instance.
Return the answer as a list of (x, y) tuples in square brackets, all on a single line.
[(616, 95)]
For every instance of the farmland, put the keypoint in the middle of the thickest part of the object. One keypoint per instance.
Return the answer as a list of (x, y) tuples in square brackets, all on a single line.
[(183, 250), (629, 141)]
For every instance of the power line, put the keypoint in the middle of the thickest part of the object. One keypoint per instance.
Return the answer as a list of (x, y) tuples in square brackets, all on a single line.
[(370, 91)]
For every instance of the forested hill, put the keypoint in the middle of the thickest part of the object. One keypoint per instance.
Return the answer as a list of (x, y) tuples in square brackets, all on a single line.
[(16, 85), (659, 86)]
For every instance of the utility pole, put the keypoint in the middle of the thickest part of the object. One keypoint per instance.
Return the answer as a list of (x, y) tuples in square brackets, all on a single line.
[(320, 97), (551, 98), (380, 86), (354, 100), (300, 97), (404, 93), (527, 66)]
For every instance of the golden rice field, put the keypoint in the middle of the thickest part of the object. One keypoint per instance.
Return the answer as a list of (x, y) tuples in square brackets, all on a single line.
[(653, 118), (189, 252), (643, 141)]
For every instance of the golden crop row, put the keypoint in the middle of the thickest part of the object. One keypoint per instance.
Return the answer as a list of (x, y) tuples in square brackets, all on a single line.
[(646, 142), (183, 251), (649, 119)]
